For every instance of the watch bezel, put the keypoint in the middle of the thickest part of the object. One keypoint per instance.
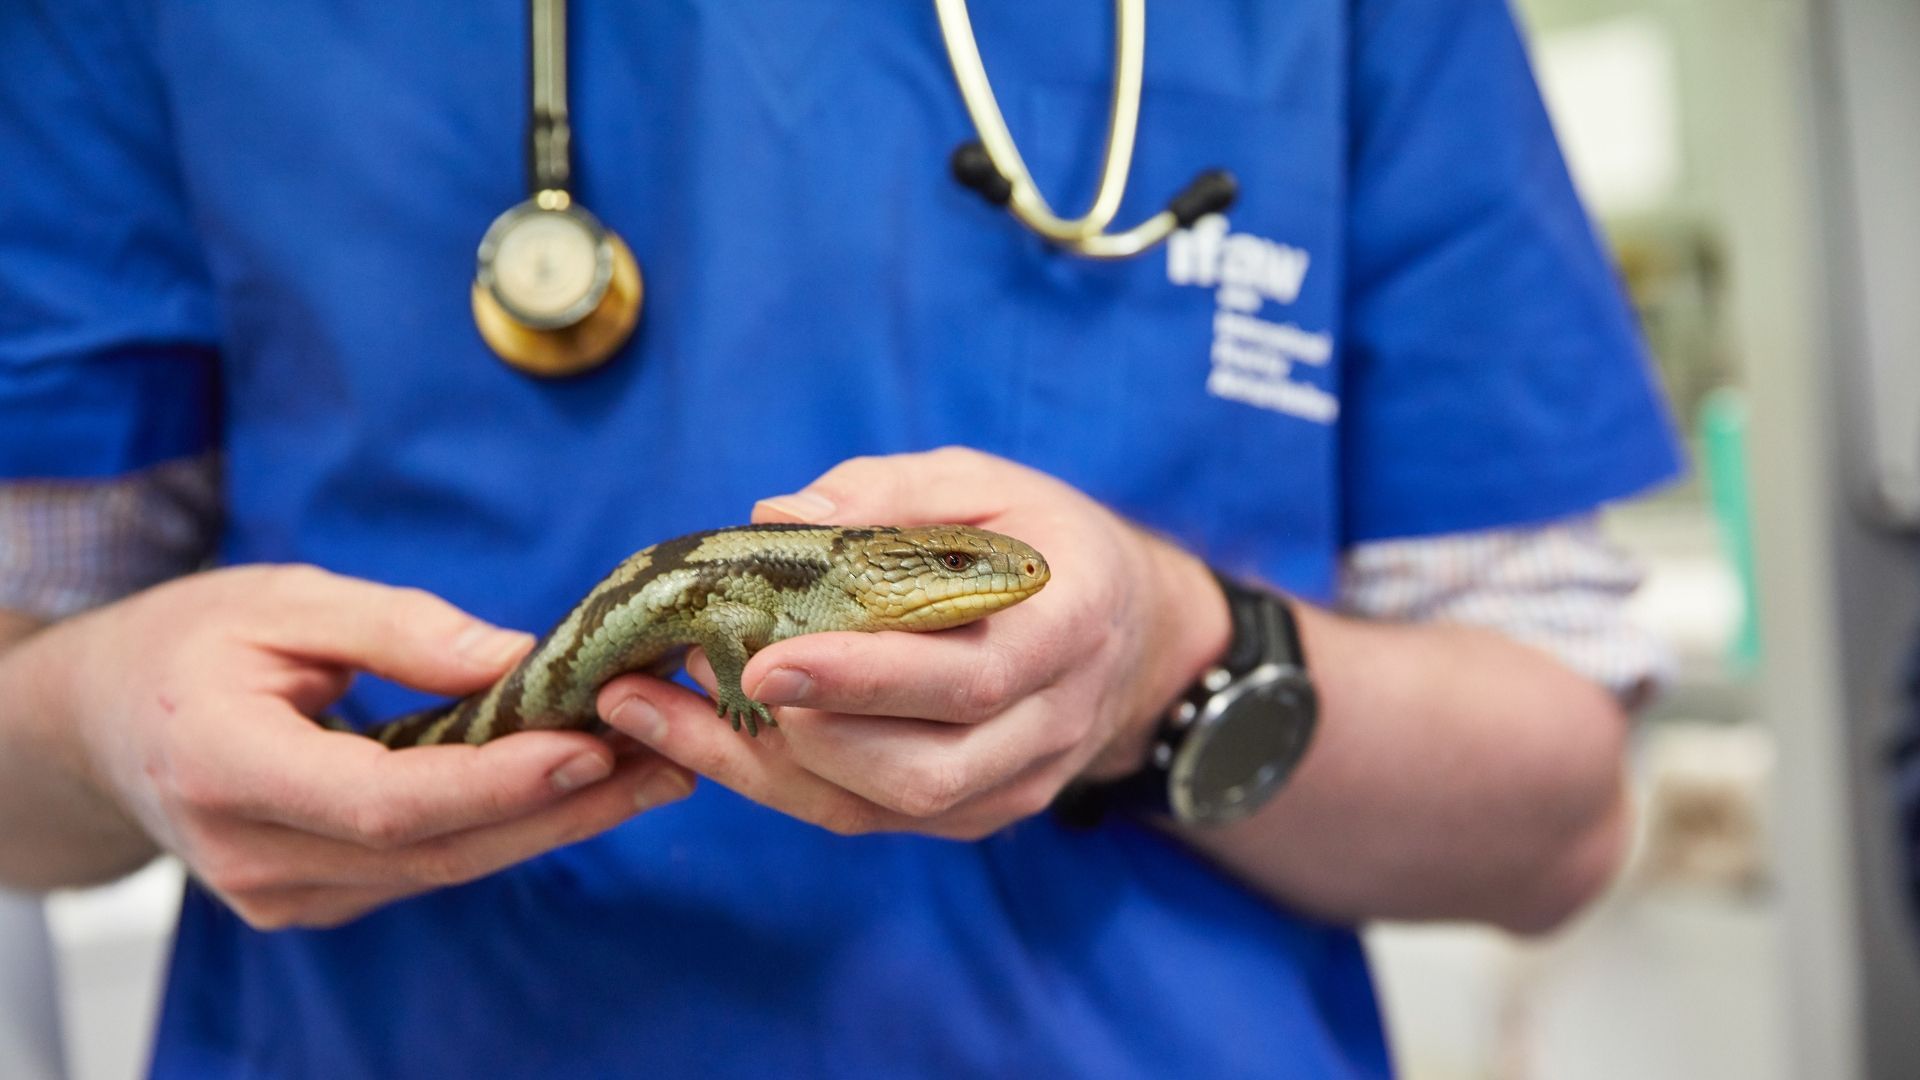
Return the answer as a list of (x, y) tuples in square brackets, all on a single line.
[(1191, 807)]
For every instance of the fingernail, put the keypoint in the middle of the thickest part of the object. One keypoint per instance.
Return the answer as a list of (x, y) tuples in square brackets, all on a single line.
[(489, 645), (579, 771), (784, 686), (805, 505), (637, 717), (663, 787)]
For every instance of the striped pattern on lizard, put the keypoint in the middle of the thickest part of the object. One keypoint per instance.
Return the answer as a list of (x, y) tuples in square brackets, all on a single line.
[(733, 592)]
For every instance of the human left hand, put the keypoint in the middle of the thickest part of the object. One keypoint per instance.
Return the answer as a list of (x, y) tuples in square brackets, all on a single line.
[(962, 732)]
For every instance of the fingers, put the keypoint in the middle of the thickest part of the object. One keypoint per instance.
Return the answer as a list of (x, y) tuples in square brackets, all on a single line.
[(279, 767), (855, 774), (297, 825), (929, 772), (269, 763), (407, 635), (965, 675), (680, 725), (639, 784), (952, 484), (275, 877), (310, 907)]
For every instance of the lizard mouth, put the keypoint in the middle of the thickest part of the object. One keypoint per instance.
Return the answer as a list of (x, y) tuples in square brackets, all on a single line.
[(964, 605)]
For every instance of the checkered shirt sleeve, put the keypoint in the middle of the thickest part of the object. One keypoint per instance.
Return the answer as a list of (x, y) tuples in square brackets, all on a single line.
[(66, 546)]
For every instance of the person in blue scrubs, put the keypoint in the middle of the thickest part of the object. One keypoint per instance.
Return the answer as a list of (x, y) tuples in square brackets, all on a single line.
[(249, 229)]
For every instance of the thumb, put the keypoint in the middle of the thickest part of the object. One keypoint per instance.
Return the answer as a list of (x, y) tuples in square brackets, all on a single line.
[(950, 485), (407, 635)]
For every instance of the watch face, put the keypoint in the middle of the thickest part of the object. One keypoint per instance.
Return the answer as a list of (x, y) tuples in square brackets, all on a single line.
[(1243, 748), (548, 268)]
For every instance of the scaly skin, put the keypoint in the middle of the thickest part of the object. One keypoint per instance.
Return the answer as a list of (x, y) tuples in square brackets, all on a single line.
[(733, 592)]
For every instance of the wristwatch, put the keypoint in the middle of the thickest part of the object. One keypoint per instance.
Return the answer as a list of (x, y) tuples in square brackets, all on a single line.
[(1232, 740)]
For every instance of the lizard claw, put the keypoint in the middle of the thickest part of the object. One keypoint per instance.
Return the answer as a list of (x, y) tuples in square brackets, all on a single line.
[(747, 709)]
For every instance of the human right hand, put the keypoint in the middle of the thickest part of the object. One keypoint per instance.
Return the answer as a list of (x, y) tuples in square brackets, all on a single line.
[(188, 707)]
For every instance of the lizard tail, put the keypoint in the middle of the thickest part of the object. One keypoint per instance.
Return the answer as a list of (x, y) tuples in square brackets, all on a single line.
[(402, 731)]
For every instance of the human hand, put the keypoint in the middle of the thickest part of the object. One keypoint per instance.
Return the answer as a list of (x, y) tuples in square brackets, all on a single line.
[(187, 706), (961, 732)]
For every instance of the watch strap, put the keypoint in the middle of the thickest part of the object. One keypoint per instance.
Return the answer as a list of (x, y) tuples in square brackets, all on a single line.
[(1264, 630)]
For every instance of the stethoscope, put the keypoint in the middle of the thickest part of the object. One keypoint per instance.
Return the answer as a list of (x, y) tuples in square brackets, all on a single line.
[(557, 292)]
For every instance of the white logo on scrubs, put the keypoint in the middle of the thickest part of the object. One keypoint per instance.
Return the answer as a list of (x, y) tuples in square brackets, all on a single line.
[(1253, 359)]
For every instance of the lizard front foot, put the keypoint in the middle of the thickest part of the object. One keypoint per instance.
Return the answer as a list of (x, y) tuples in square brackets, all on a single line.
[(738, 706)]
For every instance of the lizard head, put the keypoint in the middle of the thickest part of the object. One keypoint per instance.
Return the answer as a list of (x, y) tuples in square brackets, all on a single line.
[(930, 577)]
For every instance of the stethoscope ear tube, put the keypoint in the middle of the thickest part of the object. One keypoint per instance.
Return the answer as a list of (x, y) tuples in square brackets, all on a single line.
[(991, 165)]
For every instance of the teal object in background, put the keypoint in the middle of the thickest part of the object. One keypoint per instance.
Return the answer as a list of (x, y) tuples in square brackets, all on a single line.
[(1723, 437)]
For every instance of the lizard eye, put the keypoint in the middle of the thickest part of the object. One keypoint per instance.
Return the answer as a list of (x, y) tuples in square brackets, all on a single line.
[(956, 561)]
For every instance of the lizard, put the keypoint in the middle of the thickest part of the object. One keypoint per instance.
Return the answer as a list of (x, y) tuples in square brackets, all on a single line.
[(733, 592)]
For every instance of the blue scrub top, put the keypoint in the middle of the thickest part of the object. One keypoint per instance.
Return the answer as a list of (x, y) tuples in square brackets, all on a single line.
[(252, 226)]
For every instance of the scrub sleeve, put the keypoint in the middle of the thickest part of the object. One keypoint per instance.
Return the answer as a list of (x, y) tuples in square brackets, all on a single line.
[(1494, 372), (107, 322)]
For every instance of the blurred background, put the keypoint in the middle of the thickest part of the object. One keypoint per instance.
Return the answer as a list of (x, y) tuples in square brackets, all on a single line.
[(1755, 166)]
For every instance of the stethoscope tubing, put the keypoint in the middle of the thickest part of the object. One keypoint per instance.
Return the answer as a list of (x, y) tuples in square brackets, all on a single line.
[(1123, 115), (994, 167), (549, 130)]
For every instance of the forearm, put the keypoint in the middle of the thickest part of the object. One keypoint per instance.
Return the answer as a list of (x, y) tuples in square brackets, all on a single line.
[(1454, 774), (56, 828)]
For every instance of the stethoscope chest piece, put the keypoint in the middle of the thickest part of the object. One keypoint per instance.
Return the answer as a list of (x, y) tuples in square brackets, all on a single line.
[(555, 293)]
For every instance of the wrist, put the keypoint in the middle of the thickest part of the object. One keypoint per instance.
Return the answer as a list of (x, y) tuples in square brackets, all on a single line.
[(1200, 626), (43, 683), (59, 825), (25, 689), (1188, 631), (1236, 735)]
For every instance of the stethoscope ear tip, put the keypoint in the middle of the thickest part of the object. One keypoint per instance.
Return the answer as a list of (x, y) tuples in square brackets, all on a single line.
[(973, 167), (1211, 192)]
